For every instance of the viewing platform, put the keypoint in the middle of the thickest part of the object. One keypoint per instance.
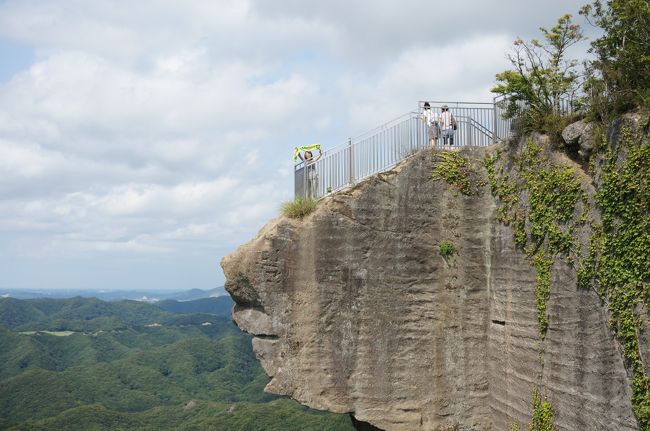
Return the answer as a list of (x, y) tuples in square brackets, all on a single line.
[(380, 149)]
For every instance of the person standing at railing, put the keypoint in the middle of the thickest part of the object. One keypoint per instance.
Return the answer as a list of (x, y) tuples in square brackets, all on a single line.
[(448, 126), (430, 119), (310, 167)]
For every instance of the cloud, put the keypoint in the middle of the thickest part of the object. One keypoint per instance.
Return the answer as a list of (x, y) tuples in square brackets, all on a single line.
[(432, 73), (371, 33), (150, 137)]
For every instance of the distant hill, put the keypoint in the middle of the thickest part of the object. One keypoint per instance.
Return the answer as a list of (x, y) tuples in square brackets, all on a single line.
[(83, 363), (193, 294), (220, 306), (77, 314), (114, 295)]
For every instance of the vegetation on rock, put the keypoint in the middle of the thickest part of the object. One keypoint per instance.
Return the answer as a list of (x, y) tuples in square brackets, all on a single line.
[(541, 200), (457, 171), (543, 414), (447, 249), (617, 265), (545, 204), (299, 208)]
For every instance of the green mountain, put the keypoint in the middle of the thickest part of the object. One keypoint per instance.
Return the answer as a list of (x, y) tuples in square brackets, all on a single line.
[(87, 364), (221, 305)]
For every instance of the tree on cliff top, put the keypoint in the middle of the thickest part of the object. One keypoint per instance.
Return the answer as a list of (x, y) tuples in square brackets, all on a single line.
[(619, 77), (541, 78)]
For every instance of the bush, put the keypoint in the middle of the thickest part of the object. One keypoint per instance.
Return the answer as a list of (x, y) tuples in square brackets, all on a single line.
[(447, 249), (299, 208), (542, 80)]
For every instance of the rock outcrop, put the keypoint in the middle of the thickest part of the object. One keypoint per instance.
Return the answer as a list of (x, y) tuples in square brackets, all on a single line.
[(580, 134), (354, 310)]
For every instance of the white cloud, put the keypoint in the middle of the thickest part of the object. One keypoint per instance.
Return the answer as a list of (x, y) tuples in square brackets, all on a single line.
[(163, 129), (433, 73)]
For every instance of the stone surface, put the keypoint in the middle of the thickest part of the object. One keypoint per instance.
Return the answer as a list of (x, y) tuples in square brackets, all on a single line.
[(571, 133), (356, 311), (582, 135)]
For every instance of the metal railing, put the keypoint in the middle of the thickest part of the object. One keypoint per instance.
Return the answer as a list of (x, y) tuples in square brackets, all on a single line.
[(380, 149)]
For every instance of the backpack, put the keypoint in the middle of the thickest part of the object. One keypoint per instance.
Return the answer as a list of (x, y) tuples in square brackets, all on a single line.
[(453, 122)]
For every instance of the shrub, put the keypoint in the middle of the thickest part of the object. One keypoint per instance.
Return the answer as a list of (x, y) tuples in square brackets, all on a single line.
[(447, 249), (542, 78), (299, 208)]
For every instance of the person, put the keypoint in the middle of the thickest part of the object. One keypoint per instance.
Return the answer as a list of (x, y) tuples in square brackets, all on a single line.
[(310, 168), (429, 118), (447, 126)]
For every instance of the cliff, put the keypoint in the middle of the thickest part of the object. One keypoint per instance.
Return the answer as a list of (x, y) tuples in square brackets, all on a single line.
[(355, 309)]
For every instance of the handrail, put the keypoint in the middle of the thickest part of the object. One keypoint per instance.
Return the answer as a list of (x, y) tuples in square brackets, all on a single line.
[(481, 128), (385, 125), (381, 148), (442, 102)]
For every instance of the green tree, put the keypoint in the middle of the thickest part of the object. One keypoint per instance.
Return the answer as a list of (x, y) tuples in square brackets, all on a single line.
[(619, 77), (542, 77)]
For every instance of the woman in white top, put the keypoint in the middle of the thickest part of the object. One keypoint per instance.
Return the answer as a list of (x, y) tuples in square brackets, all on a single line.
[(430, 119)]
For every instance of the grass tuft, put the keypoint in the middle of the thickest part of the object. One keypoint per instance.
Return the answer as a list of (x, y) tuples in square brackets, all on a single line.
[(299, 208)]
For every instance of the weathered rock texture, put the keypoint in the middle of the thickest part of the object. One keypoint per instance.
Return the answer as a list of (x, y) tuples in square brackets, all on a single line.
[(582, 135), (354, 310)]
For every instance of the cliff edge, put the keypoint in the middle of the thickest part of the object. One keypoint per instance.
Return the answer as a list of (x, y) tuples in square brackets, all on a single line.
[(355, 309)]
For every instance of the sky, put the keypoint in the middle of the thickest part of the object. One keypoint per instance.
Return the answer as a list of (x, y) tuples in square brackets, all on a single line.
[(140, 142)]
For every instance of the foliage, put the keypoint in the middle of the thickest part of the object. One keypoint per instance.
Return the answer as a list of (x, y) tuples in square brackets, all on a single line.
[(544, 223), (617, 264), (138, 377), (299, 208), (77, 314), (619, 77), (277, 415), (220, 306), (456, 170), (447, 249), (541, 78), (542, 419), (502, 188)]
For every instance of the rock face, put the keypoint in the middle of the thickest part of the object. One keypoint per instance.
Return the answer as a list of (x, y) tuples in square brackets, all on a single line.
[(354, 310), (582, 135)]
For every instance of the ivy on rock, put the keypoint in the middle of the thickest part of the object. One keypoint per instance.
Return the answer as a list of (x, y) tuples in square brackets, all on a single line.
[(542, 202), (618, 263)]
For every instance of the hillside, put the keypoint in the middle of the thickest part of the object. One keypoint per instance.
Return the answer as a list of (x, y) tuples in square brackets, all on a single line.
[(87, 364), (221, 305)]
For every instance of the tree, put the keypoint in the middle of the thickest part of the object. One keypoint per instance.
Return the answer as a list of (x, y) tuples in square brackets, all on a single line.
[(619, 77), (542, 78)]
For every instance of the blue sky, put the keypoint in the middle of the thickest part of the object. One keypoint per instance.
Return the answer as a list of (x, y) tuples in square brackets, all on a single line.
[(140, 142)]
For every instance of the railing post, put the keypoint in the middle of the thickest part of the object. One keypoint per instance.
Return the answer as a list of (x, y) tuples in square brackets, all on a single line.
[(351, 162), (494, 119), (305, 182)]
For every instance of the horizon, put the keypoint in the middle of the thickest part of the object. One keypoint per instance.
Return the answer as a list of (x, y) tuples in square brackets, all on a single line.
[(117, 290)]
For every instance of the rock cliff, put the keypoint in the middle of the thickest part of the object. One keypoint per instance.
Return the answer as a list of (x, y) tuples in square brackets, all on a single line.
[(354, 309)]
